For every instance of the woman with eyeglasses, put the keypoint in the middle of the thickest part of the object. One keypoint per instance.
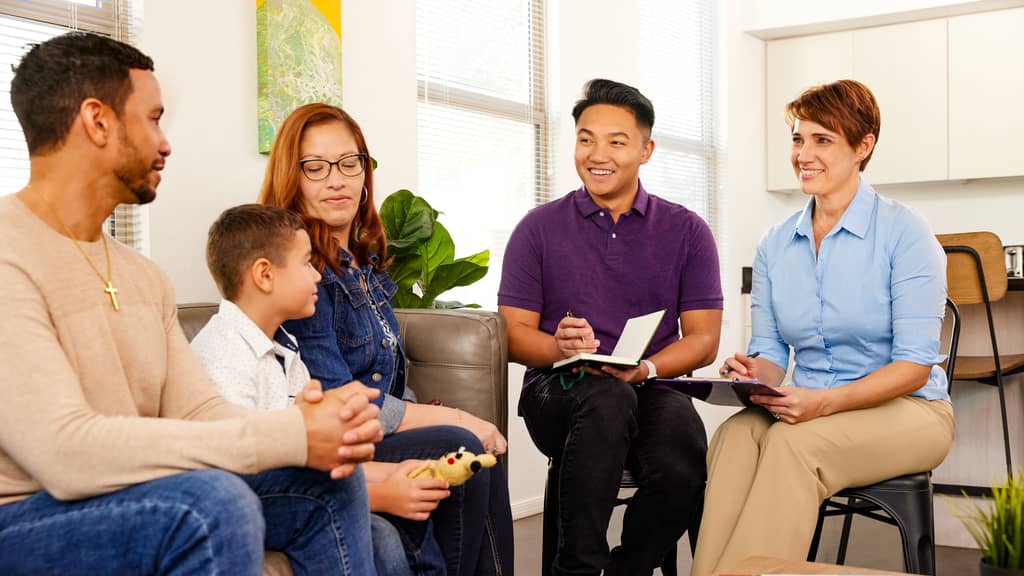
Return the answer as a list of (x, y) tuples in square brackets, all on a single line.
[(320, 167)]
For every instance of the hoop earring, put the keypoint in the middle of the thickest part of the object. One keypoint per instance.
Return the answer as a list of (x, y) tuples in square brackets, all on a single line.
[(363, 197)]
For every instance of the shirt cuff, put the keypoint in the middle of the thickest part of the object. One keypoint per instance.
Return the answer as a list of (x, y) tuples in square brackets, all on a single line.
[(392, 411), (771, 350)]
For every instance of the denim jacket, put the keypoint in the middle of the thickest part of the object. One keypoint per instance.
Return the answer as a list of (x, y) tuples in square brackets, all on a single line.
[(344, 341)]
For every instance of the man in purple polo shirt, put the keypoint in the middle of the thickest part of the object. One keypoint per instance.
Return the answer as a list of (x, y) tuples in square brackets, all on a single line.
[(575, 270)]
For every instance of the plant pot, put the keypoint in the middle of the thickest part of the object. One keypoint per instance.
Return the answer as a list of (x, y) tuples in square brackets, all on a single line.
[(989, 570)]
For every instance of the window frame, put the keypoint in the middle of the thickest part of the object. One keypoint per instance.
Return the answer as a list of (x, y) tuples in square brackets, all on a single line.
[(111, 18), (535, 113)]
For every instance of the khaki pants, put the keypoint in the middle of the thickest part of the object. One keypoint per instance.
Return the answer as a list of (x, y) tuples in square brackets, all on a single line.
[(766, 479)]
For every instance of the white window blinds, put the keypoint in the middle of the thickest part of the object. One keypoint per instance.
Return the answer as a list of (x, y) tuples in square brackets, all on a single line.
[(482, 128), (27, 22), (676, 72)]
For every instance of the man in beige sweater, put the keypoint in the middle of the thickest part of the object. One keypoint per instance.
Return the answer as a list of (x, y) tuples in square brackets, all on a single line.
[(116, 454)]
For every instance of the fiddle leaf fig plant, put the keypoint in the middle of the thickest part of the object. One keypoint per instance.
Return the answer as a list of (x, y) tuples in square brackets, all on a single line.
[(422, 254)]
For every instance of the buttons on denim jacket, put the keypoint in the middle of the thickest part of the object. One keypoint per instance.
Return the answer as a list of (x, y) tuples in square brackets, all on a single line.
[(383, 342), (377, 377)]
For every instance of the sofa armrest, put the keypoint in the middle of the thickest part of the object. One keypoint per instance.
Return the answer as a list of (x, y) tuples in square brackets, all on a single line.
[(459, 357)]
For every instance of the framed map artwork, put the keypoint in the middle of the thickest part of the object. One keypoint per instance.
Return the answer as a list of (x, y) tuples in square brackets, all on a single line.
[(298, 53)]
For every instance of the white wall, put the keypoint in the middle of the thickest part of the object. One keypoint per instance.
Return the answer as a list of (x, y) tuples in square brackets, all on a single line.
[(207, 69)]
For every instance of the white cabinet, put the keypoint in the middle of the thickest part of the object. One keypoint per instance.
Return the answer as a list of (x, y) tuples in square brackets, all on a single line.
[(904, 65), (986, 95), (792, 66)]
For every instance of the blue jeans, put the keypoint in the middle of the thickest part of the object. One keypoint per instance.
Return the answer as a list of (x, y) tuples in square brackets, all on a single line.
[(473, 526), (411, 551), (388, 549), (322, 525), (202, 522)]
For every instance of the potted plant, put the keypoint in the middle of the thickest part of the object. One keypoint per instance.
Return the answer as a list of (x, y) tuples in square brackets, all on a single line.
[(422, 254), (998, 528)]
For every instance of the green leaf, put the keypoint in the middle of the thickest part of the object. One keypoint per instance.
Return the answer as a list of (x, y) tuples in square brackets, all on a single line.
[(406, 271), (407, 300), (408, 220), (461, 272), (438, 250), (482, 258)]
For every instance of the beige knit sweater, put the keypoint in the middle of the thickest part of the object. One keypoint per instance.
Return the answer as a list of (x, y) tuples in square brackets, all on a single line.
[(93, 400)]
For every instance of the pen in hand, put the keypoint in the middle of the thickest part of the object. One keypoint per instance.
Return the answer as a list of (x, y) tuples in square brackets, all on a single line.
[(568, 314), (725, 369)]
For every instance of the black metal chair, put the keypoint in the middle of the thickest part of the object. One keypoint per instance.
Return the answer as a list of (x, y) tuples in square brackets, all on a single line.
[(549, 537), (904, 501)]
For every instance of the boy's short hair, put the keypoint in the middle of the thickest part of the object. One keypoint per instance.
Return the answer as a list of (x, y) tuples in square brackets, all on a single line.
[(243, 234)]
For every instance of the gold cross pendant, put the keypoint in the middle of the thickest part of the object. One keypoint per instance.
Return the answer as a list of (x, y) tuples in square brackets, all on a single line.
[(112, 292)]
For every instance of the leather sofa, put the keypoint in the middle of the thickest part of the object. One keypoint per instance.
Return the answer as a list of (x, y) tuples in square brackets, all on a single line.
[(459, 357)]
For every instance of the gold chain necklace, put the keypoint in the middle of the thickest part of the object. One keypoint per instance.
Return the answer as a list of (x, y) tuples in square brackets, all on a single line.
[(109, 287)]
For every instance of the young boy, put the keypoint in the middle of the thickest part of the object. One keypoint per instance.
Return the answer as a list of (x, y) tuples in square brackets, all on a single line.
[(259, 256)]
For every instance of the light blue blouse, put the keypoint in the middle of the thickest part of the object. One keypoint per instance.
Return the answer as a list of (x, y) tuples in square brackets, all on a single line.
[(875, 294)]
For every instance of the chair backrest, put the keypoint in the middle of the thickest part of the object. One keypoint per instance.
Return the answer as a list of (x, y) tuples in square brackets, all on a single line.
[(953, 318), (974, 259)]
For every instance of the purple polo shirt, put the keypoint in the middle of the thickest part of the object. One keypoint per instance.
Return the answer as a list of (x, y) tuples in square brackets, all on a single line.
[(568, 254)]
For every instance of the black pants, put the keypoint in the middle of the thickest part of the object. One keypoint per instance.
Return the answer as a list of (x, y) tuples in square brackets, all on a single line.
[(594, 430)]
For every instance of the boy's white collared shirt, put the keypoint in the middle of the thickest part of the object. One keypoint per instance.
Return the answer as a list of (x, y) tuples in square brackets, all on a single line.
[(246, 367)]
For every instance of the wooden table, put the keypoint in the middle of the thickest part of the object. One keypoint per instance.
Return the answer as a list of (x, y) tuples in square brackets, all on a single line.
[(766, 565)]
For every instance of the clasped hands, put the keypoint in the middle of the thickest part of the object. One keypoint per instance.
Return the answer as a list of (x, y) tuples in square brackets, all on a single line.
[(795, 405), (341, 426), (575, 336)]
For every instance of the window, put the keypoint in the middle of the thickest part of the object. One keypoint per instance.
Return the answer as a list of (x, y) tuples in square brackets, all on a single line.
[(482, 128), (676, 73), (27, 22)]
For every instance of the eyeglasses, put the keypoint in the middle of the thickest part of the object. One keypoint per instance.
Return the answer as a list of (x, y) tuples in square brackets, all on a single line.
[(316, 169)]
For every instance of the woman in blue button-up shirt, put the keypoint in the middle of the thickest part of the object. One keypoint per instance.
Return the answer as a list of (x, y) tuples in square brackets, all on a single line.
[(855, 284), (320, 167)]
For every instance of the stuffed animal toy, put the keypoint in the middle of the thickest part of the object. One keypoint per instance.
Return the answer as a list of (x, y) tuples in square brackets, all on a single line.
[(455, 467)]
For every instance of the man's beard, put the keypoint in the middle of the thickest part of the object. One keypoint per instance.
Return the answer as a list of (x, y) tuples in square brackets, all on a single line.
[(134, 172)]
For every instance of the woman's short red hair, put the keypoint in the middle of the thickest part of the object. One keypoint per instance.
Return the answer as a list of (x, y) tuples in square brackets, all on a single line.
[(847, 107)]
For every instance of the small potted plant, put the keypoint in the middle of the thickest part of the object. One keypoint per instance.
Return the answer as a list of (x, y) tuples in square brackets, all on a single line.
[(422, 254), (998, 528)]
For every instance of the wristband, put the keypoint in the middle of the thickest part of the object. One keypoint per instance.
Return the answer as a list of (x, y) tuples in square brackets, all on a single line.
[(652, 370)]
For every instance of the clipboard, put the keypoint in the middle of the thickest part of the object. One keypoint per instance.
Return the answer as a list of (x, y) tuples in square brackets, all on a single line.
[(720, 391)]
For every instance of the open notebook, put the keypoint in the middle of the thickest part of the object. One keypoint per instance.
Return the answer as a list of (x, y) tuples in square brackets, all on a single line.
[(629, 349)]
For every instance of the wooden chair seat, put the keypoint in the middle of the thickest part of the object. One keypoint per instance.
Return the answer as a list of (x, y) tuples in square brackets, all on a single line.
[(983, 367)]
